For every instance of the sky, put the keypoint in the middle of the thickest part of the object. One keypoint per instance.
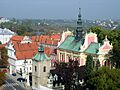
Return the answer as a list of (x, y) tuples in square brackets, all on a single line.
[(60, 9)]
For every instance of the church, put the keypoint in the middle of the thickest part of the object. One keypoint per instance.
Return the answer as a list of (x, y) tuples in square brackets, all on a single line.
[(81, 44)]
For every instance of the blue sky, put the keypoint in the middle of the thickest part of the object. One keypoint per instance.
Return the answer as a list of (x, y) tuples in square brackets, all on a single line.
[(60, 9)]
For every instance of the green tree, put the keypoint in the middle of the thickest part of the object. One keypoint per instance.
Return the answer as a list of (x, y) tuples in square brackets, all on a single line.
[(4, 57), (115, 57), (3, 63), (104, 79), (89, 65), (2, 78), (114, 37), (101, 33), (69, 73), (97, 64)]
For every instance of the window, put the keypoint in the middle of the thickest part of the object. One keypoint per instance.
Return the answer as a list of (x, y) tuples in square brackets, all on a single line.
[(35, 68), (30, 62), (30, 68), (44, 69)]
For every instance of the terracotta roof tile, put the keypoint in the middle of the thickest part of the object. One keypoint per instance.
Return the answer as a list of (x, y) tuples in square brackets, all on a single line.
[(56, 36), (17, 38), (45, 39), (26, 50)]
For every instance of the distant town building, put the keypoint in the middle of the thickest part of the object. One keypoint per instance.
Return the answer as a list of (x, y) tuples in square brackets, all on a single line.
[(5, 35), (40, 69), (3, 20)]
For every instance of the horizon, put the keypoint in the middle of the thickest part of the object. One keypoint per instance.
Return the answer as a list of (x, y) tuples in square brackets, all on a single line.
[(62, 9)]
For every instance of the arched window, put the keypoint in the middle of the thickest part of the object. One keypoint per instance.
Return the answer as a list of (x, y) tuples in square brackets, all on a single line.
[(105, 63), (44, 69)]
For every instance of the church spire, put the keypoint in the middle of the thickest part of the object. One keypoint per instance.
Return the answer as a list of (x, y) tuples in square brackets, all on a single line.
[(79, 29)]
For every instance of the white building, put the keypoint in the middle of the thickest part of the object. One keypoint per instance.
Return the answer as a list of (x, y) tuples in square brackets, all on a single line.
[(5, 35), (3, 20), (20, 55)]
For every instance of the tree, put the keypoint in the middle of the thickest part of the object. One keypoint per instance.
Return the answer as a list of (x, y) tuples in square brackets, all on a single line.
[(97, 64), (2, 78), (3, 63), (114, 37), (101, 33), (104, 79), (4, 57), (89, 65), (115, 57), (69, 74)]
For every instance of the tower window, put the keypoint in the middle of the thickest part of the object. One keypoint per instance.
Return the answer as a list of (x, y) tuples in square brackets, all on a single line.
[(35, 68), (44, 69)]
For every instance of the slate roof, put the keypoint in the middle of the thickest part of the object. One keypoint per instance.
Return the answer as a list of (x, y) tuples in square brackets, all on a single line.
[(71, 44), (92, 48)]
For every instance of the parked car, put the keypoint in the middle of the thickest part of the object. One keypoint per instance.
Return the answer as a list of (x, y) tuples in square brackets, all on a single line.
[(14, 74), (21, 79)]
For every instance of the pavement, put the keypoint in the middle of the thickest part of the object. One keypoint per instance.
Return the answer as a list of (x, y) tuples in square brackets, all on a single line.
[(11, 83)]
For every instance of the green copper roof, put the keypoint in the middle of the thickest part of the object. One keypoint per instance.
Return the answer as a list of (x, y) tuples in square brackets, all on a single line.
[(71, 44), (41, 57), (92, 48)]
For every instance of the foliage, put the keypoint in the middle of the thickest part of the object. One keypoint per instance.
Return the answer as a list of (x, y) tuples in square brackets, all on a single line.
[(2, 78), (89, 65), (68, 72), (114, 37), (4, 57), (31, 27), (3, 63), (97, 64), (104, 79), (101, 33)]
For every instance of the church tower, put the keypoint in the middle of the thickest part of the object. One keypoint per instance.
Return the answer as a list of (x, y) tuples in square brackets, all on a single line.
[(41, 65), (79, 29)]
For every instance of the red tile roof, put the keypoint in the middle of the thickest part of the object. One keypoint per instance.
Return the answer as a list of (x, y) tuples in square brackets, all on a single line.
[(17, 38), (44, 39), (56, 36), (26, 50)]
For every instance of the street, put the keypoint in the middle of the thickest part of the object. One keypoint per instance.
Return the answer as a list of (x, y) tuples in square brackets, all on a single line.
[(10, 84)]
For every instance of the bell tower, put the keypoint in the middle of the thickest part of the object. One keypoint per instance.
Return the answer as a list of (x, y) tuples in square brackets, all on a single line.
[(79, 29)]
